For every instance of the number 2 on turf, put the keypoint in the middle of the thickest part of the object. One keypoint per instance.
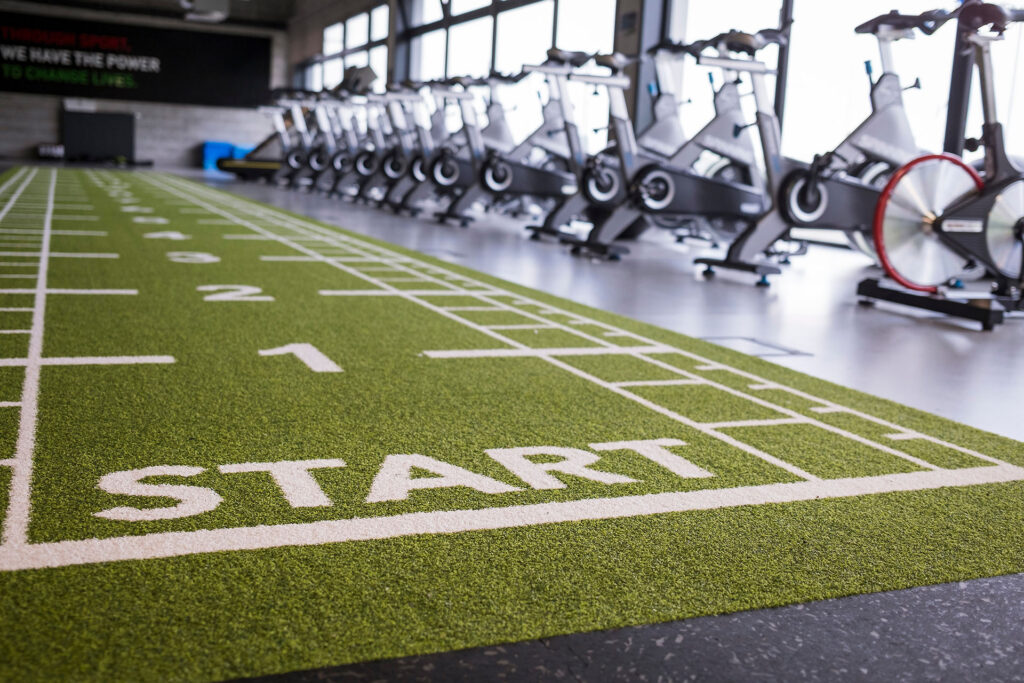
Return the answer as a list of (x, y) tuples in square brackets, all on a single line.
[(233, 293), (313, 357)]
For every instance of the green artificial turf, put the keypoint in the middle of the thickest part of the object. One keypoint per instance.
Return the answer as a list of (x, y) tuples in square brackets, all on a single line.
[(216, 615)]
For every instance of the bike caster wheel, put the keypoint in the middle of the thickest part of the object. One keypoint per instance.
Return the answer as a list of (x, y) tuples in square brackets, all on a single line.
[(708, 273), (784, 261), (763, 282), (535, 236), (614, 257), (576, 250)]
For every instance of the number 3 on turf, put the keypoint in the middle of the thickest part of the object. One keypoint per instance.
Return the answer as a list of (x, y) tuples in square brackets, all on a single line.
[(313, 357), (233, 293)]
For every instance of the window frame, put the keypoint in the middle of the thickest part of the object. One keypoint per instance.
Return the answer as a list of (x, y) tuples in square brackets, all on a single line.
[(304, 67)]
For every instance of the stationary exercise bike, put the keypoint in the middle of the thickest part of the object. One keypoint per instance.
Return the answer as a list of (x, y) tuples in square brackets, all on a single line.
[(671, 191), (837, 190), (937, 217)]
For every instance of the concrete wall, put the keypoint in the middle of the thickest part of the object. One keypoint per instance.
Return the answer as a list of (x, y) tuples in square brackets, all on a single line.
[(167, 134)]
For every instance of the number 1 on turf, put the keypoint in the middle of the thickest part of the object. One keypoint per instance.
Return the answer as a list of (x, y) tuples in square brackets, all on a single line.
[(313, 357)]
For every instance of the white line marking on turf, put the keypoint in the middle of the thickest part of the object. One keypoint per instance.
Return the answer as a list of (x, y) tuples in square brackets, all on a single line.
[(15, 331), (248, 237), (829, 409), (289, 223), (89, 360), (903, 436), (15, 310), (10, 404), (73, 254), (659, 382), (541, 353), (758, 423), (177, 543), (15, 526), (112, 292), (404, 293), (524, 326), (70, 233)]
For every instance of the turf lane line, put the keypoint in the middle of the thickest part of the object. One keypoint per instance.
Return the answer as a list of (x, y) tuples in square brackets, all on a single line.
[(15, 524), (547, 309), (524, 326), (403, 293), (74, 254), (90, 360), (178, 543), (839, 431), (81, 233), (544, 353), (15, 177), (709, 364), (10, 404), (15, 331), (104, 292), (659, 382), (758, 423)]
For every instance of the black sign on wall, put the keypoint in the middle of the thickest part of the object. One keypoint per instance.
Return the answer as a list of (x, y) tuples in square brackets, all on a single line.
[(71, 58)]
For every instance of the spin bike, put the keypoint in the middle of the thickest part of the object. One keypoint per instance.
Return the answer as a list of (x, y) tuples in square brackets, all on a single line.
[(672, 191), (837, 190), (937, 217)]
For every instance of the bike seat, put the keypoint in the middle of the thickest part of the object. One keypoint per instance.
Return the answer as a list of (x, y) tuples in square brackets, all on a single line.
[(928, 22), (568, 57), (507, 78), (615, 61), (694, 48), (772, 36), (465, 81), (749, 43)]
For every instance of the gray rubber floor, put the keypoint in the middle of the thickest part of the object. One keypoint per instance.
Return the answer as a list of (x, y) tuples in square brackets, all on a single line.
[(809, 320)]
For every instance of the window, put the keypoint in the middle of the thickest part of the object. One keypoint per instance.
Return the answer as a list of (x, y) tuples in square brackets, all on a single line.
[(827, 90), (469, 48), (357, 41), (315, 77), (463, 6), (333, 72), (426, 12), (379, 23), (379, 64), (524, 36), (357, 31), (588, 26), (360, 59), (428, 52), (333, 42)]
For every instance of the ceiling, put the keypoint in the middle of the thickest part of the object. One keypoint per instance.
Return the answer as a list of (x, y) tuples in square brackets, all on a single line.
[(268, 13)]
